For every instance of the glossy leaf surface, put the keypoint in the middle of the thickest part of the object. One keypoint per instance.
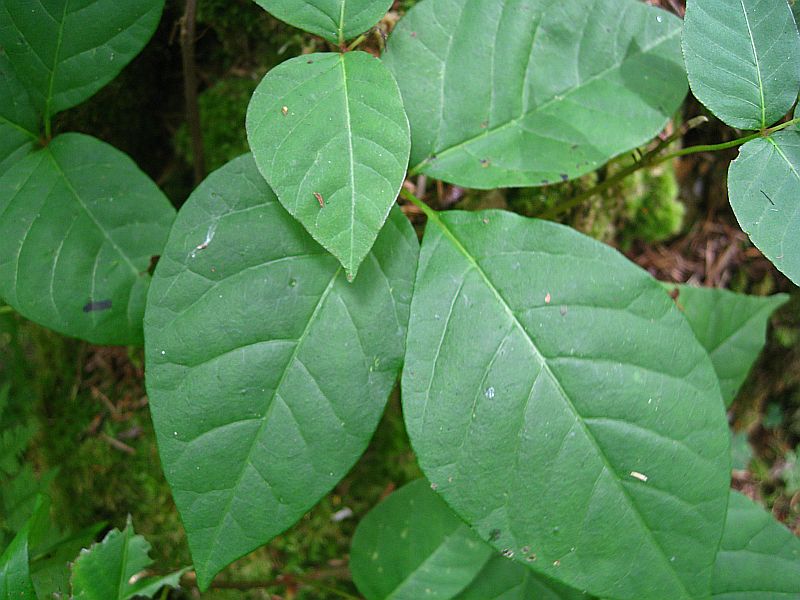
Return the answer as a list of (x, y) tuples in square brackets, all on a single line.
[(743, 59), (335, 20), (764, 191), (731, 327), (330, 136), (412, 546), (66, 50), (112, 569), (504, 579), (79, 225), (759, 559), (547, 417), (267, 370), (526, 92), (19, 122)]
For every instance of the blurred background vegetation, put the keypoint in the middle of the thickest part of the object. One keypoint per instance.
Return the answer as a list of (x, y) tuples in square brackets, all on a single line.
[(81, 427)]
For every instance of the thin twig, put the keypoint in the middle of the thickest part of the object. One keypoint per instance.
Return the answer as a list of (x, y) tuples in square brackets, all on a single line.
[(188, 32)]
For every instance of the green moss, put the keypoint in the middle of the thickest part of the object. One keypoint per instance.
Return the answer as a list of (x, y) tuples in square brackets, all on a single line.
[(223, 109), (653, 210)]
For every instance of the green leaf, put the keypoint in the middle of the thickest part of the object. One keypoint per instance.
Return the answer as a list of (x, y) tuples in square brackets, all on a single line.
[(412, 546), (79, 225), (267, 371), (539, 405), (50, 565), (764, 191), (528, 92), (758, 558), (19, 122), (335, 20), (114, 569), (731, 327), (15, 577), (66, 50), (504, 579), (743, 59), (330, 136)]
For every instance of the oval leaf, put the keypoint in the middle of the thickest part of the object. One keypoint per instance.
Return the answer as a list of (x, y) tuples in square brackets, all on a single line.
[(743, 59), (412, 546), (66, 51), (504, 579), (527, 92), (111, 570), (335, 20), (731, 327), (19, 122), (79, 226), (758, 559), (330, 136), (547, 417), (764, 190), (267, 371)]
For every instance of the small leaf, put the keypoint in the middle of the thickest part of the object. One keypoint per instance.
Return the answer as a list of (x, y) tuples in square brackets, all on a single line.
[(18, 120), (335, 20), (412, 546), (743, 59), (529, 92), (764, 190), (114, 569), (267, 371), (66, 51), (79, 225), (731, 327), (15, 577), (504, 579), (330, 136), (562, 406), (758, 558)]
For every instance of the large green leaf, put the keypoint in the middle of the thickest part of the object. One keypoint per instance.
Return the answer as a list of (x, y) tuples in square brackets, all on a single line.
[(19, 122), (66, 50), (527, 92), (758, 558), (79, 225), (267, 370), (562, 406), (335, 20), (114, 569), (329, 134), (764, 190), (743, 59), (504, 579), (731, 327), (412, 546)]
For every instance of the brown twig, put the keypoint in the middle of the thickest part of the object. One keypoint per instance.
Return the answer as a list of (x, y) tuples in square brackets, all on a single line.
[(188, 32)]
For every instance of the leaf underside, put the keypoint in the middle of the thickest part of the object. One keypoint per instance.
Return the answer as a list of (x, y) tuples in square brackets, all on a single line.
[(330, 136), (66, 50), (334, 20), (758, 559), (267, 370), (731, 327), (79, 225), (764, 191), (530, 92), (541, 409), (743, 59)]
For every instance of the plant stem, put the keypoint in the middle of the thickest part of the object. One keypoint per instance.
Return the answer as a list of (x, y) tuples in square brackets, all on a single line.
[(6, 310), (429, 212), (188, 35), (357, 42), (652, 159)]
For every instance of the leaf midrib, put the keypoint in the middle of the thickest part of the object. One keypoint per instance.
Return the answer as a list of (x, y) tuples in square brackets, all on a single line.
[(351, 161), (268, 412), (546, 367), (556, 98), (56, 54), (758, 66)]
